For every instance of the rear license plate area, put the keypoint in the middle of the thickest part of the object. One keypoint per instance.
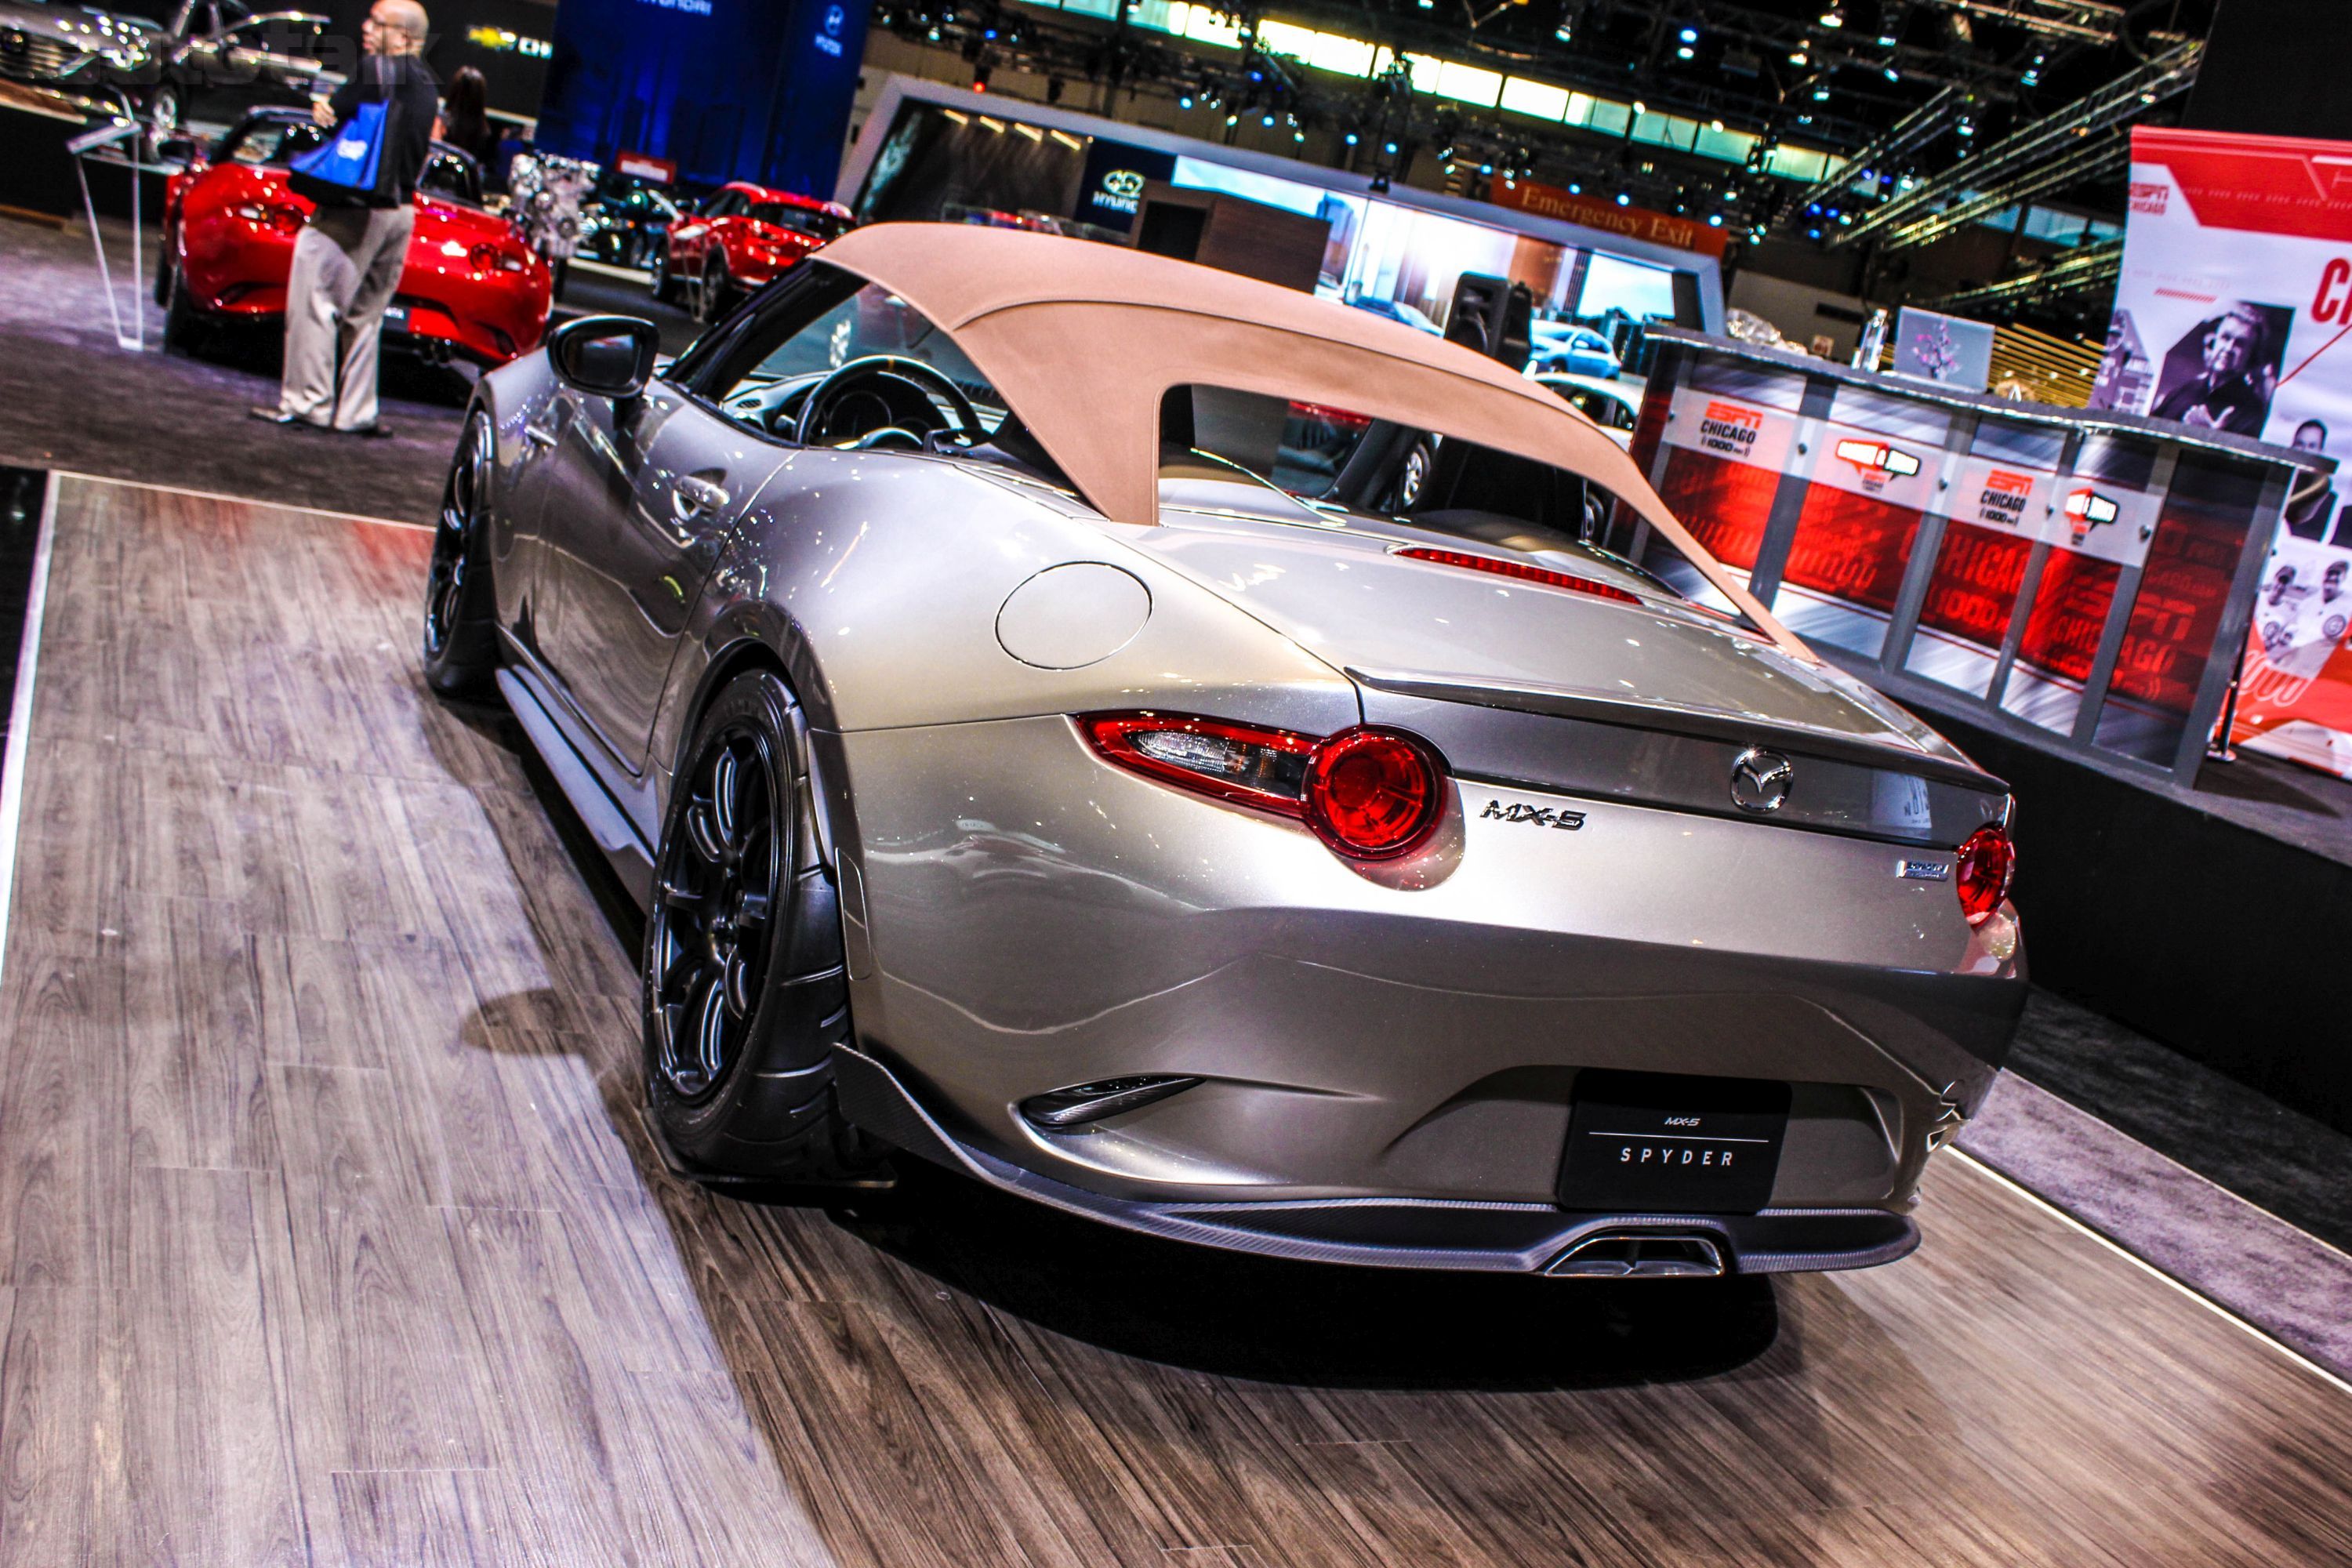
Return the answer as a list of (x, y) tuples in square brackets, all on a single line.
[(395, 318), (1644, 1143)]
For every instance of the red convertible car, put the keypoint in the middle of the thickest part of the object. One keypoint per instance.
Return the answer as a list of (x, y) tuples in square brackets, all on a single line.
[(742, 236), (472, 289)]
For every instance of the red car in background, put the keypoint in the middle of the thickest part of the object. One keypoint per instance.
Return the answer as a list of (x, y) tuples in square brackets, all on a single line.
[(472, 289), (741, 238)]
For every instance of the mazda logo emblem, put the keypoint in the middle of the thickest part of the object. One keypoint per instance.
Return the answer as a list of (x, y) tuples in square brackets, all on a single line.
[(833, 18), (1124, 183), (1760, 781)]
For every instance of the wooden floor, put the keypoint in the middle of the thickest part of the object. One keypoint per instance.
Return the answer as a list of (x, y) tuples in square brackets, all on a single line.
[(330, 1235)]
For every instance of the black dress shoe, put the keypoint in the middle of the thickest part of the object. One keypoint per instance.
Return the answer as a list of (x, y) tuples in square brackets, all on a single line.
[(274, 415), (376, 432)]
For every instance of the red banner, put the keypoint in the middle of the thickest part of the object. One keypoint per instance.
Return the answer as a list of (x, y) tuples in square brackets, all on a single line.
[(1634, 223), (2234, 309)]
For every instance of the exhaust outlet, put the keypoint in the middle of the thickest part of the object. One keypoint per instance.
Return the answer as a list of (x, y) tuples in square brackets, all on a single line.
[(1640, 1255)]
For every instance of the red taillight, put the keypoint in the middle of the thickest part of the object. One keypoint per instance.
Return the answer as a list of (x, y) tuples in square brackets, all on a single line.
[(1519, 570), (1374, 794), (488, 258), (1987, 862), (278, 216), (1368, 793)]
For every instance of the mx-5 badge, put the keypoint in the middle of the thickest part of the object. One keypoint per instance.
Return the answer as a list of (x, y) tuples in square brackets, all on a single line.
[(1539, 815)]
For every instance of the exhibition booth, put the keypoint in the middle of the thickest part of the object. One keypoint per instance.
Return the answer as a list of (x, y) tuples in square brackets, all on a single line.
[(929, 151), (1008, 837)]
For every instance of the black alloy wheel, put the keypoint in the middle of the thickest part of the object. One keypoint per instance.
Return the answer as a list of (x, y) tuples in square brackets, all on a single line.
[(163, 270), (745, 990), (662, 287), (711, 911), (461, 636), (163, 116)]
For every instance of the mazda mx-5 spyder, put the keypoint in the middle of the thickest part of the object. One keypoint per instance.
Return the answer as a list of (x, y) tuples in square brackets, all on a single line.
[(1051, 735)]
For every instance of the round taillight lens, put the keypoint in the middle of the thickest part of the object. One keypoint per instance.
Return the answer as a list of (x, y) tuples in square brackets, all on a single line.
[(1987, 862), (1374, 794)]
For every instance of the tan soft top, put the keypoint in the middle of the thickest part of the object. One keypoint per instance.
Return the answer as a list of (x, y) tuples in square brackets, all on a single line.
[(1084, 339)]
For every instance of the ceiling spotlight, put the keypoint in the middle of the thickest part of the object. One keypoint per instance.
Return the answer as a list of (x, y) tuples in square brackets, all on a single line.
[(1351, 139), (1185, 101), (1390, 148), (1623, 200), (1716, 126), (1690, 35), (1299, 136), (1575, 190), (1266, 120), (1894, 75), (1485, 168), (1715, 220), (1233, 120), (1800, 59), (1833, 17), (1684, 53), (1640, 108), (1820, 95)]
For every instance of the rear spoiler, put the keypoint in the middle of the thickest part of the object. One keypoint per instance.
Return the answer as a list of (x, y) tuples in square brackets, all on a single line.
[(1673, 718)]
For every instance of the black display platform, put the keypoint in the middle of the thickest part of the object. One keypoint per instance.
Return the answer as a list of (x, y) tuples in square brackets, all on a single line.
[(2216, 921)]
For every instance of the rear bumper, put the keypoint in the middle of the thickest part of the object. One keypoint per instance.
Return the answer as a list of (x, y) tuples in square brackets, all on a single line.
[(1022, 918), (1406, 1232)]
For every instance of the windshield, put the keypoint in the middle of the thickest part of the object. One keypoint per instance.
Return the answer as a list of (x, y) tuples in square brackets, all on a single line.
[(269, 142), (813, 221), (1222, 449)]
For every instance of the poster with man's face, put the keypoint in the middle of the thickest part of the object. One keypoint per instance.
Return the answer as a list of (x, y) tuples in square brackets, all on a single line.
[(2223, 372)]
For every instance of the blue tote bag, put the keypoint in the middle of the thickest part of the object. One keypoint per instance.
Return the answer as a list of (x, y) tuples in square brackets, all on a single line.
[(346, 165)]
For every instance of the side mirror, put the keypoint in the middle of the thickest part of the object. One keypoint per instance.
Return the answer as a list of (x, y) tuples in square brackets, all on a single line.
[(610, 356)]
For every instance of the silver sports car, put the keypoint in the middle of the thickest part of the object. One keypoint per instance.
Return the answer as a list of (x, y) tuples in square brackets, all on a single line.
[(1214, 761)]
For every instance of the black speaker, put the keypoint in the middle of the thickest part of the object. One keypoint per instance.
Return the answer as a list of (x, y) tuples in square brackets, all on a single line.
[(2275, 67), (1491, 315)]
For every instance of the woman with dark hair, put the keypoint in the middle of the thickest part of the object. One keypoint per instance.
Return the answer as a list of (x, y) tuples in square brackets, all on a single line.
[(466, 118)]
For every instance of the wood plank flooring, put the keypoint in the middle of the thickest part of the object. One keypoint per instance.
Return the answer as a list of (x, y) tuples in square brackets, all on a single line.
[(329, 1236)]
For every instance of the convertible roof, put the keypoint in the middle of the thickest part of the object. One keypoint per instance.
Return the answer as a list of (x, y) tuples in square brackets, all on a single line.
[(1084, 338)]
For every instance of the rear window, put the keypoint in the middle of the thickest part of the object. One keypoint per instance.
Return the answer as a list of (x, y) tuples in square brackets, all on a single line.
[(1218, 444), (800, 220)]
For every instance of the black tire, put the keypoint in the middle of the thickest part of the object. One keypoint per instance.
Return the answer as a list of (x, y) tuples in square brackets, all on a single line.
[(665, 289), (745, 990), (461, 635), (184, 327), (711, 295), (163, 271)]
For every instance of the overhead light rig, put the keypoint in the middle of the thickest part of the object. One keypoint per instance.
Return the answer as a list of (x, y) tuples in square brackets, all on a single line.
[(1379, 122), (2087, 269), (2079, 143)]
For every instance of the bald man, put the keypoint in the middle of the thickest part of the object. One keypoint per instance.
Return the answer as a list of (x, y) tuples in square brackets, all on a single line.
[(348, 258)]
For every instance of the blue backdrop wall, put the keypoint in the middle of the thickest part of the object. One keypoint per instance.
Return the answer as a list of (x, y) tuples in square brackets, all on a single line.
[(727, 90)]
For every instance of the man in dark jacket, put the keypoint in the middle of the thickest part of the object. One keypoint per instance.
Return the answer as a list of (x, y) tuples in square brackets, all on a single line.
[(348, 258), (2234, 392)]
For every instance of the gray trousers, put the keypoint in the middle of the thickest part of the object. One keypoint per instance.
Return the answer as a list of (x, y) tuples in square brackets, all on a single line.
[(347, 263)]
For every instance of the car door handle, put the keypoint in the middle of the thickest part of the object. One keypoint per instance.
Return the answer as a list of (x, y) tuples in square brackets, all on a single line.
[(693, 497)]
